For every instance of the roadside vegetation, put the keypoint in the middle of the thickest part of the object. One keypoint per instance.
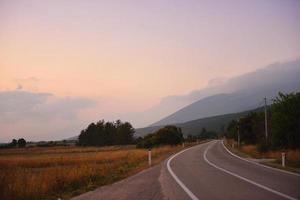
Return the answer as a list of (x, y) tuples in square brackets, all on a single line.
[(283, 131), (169, 135), (62, 172), (203, 135), (271, 157)]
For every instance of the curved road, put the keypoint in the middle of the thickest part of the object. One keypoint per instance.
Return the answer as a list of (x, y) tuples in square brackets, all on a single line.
[(205, 171)]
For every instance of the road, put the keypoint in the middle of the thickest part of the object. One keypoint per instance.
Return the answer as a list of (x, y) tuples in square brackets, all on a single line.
[(205, 171)]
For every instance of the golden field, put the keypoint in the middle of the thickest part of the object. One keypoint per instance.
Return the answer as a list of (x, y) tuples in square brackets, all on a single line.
[(62, 172)]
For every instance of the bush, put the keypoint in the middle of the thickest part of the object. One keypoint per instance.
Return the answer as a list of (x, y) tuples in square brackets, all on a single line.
[(262, 147)]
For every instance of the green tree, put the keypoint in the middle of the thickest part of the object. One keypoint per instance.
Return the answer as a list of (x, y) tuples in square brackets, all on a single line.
[(21, 142), (204, 134), (14, 143), (125, 133), (106, 133), (168, 135), (252, 128), (285, 121), (232, 130)]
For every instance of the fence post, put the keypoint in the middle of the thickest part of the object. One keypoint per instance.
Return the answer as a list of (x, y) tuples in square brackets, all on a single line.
[(183, 145), (149, 157), (283, 159)]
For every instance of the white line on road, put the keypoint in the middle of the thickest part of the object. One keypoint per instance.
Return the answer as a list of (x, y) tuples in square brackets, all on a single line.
[(188, 192), (243, 178), (258, 164)]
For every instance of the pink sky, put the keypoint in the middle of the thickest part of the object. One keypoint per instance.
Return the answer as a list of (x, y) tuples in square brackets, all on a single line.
[(127, 55)]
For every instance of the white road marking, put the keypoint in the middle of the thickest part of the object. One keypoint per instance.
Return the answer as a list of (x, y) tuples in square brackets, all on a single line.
[(258, 164), (188, 192), (243, 178)]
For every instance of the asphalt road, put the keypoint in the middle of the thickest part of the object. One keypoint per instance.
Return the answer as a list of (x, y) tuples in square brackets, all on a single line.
[(205, 171)]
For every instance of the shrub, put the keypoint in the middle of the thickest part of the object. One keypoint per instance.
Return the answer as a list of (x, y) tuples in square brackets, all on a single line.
[(262, 147)]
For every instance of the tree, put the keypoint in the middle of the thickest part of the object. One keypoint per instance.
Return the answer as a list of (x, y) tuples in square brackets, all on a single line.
[(168, 135), (191, 138), (285, 121), (107, 133), (125, 133), (21, 142), (252, 128), (284, 125), (232, 130), (14, 143), (207, 134)]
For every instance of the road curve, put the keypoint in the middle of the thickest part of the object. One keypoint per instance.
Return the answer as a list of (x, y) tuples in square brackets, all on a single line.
[(210, 172), (205, 171)]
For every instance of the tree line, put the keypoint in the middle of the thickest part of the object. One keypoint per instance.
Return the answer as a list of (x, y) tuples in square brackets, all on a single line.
[(203, 135), (107, 133), (283, 125), (15, 143)]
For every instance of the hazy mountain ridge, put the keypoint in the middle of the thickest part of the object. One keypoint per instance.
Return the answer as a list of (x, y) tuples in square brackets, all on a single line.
[(248, 93), (194, 127)]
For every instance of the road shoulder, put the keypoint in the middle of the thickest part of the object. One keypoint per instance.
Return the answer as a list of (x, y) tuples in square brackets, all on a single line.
[(143, 185), (267, 163)]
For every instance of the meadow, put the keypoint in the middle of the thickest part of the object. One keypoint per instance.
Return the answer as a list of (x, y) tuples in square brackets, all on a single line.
[(63, 172)]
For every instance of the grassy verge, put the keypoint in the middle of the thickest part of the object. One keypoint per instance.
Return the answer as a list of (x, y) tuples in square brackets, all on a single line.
[(63, 172), (270, 158)]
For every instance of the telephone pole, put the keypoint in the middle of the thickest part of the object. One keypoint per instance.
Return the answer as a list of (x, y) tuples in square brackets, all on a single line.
[(238, 129), (266, 120)]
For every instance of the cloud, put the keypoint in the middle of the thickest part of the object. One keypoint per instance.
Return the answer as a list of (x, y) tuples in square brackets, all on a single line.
[(40, 115)]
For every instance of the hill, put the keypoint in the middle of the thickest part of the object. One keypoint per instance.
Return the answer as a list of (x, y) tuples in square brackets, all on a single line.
[(247, 93), (194, 127)]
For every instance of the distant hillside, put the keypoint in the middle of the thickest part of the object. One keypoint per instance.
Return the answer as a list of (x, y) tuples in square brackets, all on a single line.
[(249, 91), (194, 127)]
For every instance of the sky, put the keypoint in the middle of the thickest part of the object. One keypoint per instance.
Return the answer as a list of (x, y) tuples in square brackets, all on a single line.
[(64, 64)]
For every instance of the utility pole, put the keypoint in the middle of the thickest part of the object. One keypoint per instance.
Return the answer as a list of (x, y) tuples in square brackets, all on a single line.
[(149, 157), (238, 129), (266, 120)]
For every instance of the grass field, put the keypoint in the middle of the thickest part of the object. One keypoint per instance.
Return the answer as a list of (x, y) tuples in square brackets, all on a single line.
[(62, 172), (292, 156)]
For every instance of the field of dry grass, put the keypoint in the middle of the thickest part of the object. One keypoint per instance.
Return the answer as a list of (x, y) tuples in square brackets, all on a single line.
[(292, 156), (62, 172)]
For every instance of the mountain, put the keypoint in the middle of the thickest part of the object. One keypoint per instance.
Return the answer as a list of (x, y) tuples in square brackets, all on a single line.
[(246, 93), (194, 127)]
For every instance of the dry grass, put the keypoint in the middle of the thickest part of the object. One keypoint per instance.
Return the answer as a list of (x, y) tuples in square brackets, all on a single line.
[(292, 156), (49, 173)]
